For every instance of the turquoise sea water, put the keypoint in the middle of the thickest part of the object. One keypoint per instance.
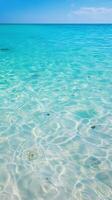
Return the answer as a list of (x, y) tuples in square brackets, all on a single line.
[(55, 112)]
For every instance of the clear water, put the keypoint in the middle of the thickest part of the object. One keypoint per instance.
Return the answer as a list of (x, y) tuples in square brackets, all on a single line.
[(56, 112)]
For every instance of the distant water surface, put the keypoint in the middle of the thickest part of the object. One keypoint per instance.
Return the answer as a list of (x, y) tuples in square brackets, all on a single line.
[(55, 112)]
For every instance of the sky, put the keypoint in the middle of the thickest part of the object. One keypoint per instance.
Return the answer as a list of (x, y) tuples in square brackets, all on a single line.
[(55, 11)]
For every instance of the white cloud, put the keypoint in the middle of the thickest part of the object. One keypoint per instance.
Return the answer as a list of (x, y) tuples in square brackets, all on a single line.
[(92, 14), (93, 11)]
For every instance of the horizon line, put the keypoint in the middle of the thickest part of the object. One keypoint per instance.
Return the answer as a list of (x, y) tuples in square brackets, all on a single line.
[(38, 23)]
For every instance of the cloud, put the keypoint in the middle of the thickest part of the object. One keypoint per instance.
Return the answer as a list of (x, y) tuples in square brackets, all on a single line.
[(92, 14), (93, 11)]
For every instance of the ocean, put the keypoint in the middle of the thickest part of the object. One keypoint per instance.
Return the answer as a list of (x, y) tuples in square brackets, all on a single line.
[(56, 112)]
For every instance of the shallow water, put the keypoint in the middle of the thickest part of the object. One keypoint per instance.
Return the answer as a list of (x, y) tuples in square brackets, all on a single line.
[(56, 112)]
